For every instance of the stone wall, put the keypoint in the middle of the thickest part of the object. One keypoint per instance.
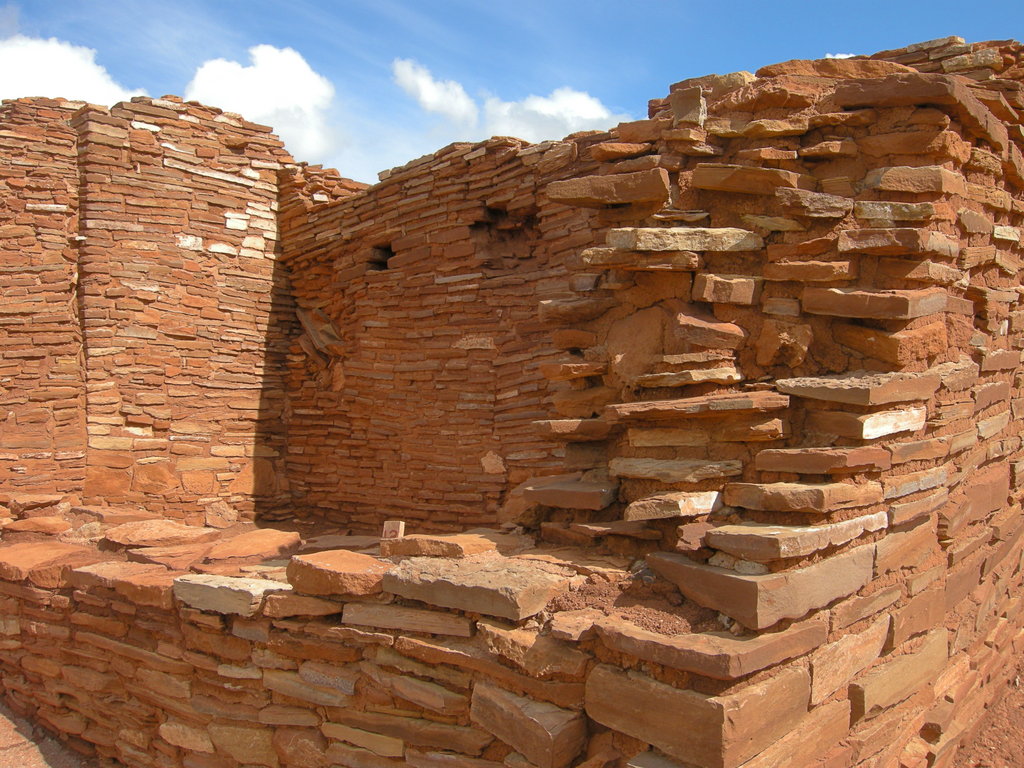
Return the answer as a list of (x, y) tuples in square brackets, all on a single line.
[(741, 382)]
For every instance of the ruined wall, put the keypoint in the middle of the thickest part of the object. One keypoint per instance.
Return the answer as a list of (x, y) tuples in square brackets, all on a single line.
[(413, 387), (765, 350), (42, 385)]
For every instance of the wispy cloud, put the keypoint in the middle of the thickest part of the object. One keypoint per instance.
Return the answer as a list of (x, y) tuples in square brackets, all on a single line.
[(444, 97)]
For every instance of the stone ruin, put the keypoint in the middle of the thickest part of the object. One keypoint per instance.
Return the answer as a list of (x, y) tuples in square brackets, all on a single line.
[(705, 431)]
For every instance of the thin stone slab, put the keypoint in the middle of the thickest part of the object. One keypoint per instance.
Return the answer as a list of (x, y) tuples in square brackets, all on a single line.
[(684, 239), (674, 471), (45, 564), (225, 594), (159, 533), (765, 543), (862, 388), (868, 426), (255, 546), (574, 430), (719, 655), (488, 584), (820, 461), (878, 305), (570, 492), (684, 504), (690, 407), (812, 498), (761, 601)]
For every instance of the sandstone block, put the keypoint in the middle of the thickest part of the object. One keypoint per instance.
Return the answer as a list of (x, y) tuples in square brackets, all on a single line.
[(898, 242), (684, 239), (47, 565), (764, 543), (710, 731), (537, 655), (747, 180), (673, 471), (449, 545), (899, 347), (613, 189), (868, 426), (406, 619), (681, 504), (570, 492), (379, 744), (762, 601), (898, 679), (574, 430), (820, 461), (821, 727), (641, 261), (879, 305), (159, 533), (720, 655), (920, 179), (225, 594), (816, 205), (336, 572), (548, 736), (862, 388), (492, 585), (247, 745), (726, 289), (704, 405), (834, 665), (255, 546), (694, 327), (813, 498)]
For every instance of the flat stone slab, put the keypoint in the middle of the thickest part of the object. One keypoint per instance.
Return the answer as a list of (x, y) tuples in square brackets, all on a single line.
[(336, 572), (674, 471), (705, 405), (684, 239), (570, 492), (116, 515), (862, 388), (225, 594), (159, 533), (180, 556), (255, 546), (488, 584), (764, 543), (45, 564), (686, 504), (441, 545), (399, 617), (47, 524), (720, 655), (812, 498), (821, 461), (139, 583), (761, 601)]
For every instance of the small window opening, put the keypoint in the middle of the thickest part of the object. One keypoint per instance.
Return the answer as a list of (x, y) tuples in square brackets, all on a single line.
[(379, 258)]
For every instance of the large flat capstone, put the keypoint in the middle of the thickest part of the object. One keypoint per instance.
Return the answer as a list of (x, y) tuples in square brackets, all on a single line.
[(225, 594), (488, 584)]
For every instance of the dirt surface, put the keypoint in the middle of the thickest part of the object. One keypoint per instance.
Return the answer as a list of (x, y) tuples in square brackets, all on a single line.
[(1000, 741), (22, 746)]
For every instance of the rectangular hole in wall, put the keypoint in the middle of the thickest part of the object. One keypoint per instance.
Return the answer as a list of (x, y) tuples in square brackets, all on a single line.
[(379, 257)]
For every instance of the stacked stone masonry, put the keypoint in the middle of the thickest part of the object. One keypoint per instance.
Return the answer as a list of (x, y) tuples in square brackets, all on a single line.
[(705, 431)]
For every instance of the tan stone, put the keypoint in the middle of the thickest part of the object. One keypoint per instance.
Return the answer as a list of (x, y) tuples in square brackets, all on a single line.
[(548, 736), (158, 533), (898, 679), (812, 498), (684, 239), (254, 546), (761, 601), (407, 619), (615, 189), (712, 731), (44, 564), (336, 572), (225, 594), (764, 543), (862, 388), (834, 665), (747, 180), (245, 744), (537, 655)]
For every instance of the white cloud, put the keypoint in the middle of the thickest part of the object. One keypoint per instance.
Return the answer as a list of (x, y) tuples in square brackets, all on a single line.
[(445, 97), (537, 118), (840, 55), (278, 88), (33, 66)]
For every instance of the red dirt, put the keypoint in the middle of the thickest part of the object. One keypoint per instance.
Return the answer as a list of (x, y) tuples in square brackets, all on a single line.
[(998, 743)]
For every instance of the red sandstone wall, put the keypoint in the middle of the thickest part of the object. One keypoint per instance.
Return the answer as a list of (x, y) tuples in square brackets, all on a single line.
[(42, 384), (413, 388), (184, 308)]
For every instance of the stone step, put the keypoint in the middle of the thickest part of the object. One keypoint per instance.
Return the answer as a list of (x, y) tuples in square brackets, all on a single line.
[(618, 258), (570, 492), (863, 388), (867, 426), (899, 347), (747, 180), (612, 189), (718, 655), (574, 430), (575, 310), (632, 529), (225, 594), (674, 471), (684, 239), (138, 583), (725, 375), (879, 305), (811, 498), (820, 461), (693, 407), (492, 585), (683, 504), (765, 543), (693, 325), (917, 179), (336, 572), (761, 601), (898, 241), (45, 564), (570, 371), (754, 430), (159, 533)]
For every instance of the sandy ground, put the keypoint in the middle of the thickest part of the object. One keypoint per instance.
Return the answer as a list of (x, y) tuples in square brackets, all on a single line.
[(1000, 742), (21, 746)]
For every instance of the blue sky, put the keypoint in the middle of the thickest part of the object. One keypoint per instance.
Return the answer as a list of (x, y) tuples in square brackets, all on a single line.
[(368, 84)]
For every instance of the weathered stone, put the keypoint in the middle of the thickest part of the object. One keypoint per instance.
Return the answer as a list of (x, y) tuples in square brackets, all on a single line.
[(694, 327), (898, 242), (762, 601), (721, 731), (921, 179), (492, 585), (336, 572), (745, 179), (813, 498), (548, 736), (896, 680), (247, 745), (861, 388), (816, 205), (820, 461), (684, 239), (44, 564), (868, 426), (159, 533), (537, 655), (705, 405), (881, 305), (407, 619), (616, 189), (713, 654), (900, 347), (570, 492), (449, 545), (225, 594), (385, 746), (681, 504), (726, 289), (834, 665), (255, 546), (764, 543), (673, 471)]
